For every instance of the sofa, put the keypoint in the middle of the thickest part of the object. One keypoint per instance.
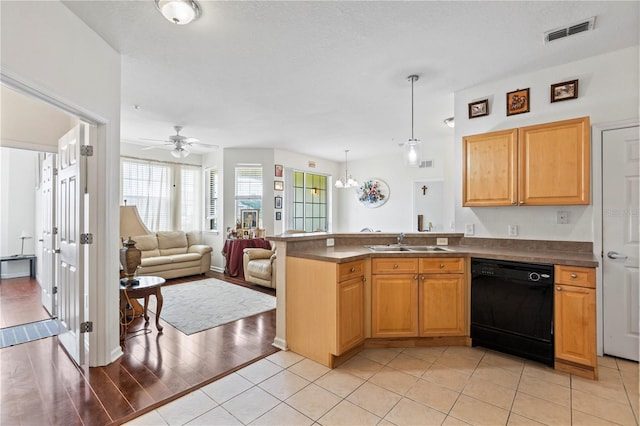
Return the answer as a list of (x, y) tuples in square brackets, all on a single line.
[(172, 254), (259, 267)]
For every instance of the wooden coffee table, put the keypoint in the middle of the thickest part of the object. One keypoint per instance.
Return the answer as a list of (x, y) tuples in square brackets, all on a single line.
[(147, 286)]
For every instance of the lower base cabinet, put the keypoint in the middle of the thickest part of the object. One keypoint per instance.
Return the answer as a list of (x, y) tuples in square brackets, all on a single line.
[(441, 305), (575, 321)]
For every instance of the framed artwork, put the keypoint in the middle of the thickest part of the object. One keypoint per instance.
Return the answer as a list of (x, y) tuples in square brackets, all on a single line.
[(249, 218), (373, 193), (479, 108), (278, 172), (278, 185), (564, 91), (278, 215), (518, 102), (278, 202)]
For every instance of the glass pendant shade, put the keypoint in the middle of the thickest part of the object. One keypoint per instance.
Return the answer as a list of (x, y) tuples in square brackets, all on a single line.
[(180, 152), (180, 12), (412, 152)]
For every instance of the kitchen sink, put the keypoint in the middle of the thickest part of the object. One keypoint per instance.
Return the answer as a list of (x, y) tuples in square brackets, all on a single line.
[(402, 247)]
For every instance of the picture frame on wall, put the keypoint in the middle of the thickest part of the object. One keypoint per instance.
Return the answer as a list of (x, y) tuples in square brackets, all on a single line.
[(249, 218), (278, 171), (564, 91), (518, 102), (277, 202), (479, 108), (278, 185)]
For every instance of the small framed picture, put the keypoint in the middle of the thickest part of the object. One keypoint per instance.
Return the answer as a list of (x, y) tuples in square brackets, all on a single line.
[(278, 185), (518, 101), (479, 108), (278, 215), (278, 170), (249, 218), (278, 202), (564, 91)]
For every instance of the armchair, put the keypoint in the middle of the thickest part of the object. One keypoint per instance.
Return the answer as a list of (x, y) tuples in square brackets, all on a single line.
[(259, 267)]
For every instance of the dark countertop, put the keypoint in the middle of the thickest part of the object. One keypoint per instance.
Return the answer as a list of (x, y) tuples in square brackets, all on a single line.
[(536, 255)]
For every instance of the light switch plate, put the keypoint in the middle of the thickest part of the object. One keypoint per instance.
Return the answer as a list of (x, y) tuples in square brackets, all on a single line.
[(513, 230), (469, 229), (442, 241), (330, 242)]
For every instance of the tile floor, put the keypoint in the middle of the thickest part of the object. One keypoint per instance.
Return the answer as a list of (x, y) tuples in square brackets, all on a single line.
[(410, 386)]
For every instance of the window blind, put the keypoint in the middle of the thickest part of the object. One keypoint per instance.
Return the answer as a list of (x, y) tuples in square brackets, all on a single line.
[(212, 200)]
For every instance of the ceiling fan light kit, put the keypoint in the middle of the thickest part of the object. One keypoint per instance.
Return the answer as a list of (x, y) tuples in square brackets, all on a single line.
[(413, 147), (179, 12)]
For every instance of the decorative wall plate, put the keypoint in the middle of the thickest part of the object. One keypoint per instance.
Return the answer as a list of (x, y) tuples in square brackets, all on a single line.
[(373, 193)]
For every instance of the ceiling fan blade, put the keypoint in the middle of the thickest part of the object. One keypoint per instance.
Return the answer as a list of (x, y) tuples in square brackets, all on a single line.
[(190, 140), (206, 145), (154, 140), (156, 146)]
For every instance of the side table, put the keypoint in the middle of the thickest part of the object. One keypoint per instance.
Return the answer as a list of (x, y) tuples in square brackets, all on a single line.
[(148, 285)]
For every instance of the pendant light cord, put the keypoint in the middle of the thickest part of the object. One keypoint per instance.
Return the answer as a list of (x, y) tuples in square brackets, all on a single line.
[(413, 78)]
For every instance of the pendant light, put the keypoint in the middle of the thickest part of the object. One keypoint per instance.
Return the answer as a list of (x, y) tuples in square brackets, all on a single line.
[(347, 181), (413, 147)]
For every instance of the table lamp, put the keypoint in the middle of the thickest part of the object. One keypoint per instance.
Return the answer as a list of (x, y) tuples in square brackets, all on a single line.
[(23, 236)]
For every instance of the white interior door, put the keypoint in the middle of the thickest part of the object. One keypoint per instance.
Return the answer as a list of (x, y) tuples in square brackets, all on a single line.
[(49, 244), (70, 222), (620, 235)]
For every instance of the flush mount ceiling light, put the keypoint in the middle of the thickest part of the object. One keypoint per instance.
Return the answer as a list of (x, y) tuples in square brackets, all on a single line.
[(412, 147), (450, 122), (180, 12), (347, 181)]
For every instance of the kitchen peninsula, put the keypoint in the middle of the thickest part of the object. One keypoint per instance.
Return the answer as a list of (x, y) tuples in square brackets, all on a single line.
[(336, 295)]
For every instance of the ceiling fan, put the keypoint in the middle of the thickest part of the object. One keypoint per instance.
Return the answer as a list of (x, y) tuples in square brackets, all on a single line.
[(181, 144)]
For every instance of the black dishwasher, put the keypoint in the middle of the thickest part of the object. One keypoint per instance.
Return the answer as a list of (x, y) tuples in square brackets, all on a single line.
[(512, 308)]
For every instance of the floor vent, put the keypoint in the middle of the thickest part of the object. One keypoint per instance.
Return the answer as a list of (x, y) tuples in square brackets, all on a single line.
[(576, 28)]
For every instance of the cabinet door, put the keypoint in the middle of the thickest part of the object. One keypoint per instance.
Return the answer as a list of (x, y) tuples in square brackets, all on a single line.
[(350, 314), (441, 305), (575, 324), (394, 305), (489, 171), (555, 163)]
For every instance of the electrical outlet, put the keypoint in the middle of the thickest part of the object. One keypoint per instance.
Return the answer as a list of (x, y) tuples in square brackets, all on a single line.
[(442, 241), (513, 230), (562, 218), (469, 229), (330, 242)]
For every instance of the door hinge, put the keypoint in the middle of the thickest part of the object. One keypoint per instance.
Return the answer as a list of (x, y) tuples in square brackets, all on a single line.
[(86, 150), (86, 238), (54, 230), (86, 327), (54, 290), (55, 171)]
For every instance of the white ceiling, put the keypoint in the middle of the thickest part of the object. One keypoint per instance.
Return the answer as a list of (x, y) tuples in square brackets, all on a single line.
[(319, 77)]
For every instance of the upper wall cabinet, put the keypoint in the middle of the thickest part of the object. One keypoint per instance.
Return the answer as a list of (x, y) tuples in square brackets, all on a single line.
[(541, 165)]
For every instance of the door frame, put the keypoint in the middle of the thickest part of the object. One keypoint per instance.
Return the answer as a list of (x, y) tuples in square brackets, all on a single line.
[(102, 301), (596, 196)]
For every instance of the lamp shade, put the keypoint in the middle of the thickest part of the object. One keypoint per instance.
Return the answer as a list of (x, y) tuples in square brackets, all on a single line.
[(412, 153), (180, 152)]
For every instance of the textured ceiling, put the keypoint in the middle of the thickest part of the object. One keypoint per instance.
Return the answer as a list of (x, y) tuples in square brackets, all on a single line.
[(321, 77)]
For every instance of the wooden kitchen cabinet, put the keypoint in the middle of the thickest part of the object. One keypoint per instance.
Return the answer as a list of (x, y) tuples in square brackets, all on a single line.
[(546, 164), (425, 297), (325, 308), (575, 321)]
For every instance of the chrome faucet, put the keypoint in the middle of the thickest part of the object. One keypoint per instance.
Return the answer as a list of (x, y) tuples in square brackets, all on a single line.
[(401, 238)]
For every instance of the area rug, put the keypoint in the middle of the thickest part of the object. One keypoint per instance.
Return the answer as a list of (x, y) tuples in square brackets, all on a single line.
[(23, 333), (201, 305)]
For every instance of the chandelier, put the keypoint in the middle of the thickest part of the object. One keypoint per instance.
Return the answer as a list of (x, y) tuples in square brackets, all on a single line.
[(347, 181)]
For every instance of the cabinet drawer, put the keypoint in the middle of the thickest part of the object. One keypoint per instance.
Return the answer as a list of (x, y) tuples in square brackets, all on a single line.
[(394, 265), (349, 270), (445, 265), (575, 275)]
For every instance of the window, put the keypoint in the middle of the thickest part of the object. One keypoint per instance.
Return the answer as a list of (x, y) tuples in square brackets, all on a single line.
[(310, 202), (212, 200), (167, 195), (249, 190)]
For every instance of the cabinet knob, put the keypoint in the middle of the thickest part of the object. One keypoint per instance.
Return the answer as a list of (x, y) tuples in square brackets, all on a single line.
[(574, 276), (441, 265), (559, 288), (364, 279), (395, 266), (521, 202), (513, 203), (423, 277), (353, 269), (415, 277)]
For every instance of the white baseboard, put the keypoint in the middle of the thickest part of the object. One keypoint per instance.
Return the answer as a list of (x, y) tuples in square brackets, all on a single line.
[(280, 344), (217, 269)]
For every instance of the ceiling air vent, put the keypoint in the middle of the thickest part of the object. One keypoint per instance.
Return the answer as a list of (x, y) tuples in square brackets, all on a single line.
[(572, 29), (425, 164)]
